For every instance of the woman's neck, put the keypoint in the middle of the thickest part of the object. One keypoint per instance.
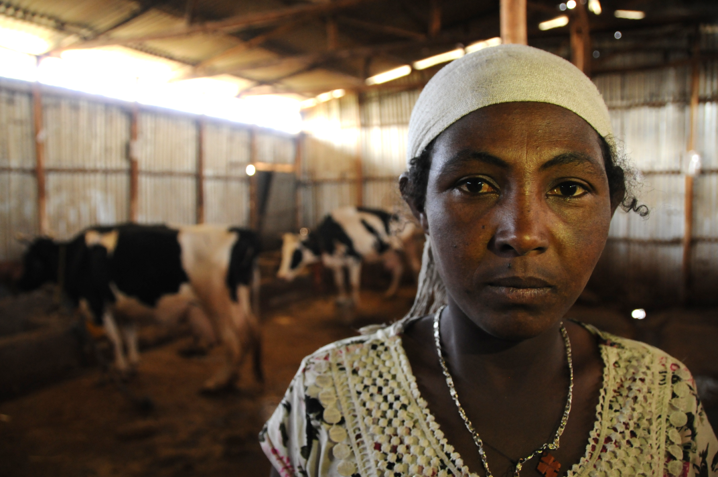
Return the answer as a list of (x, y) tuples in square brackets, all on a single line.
[(502, 364)]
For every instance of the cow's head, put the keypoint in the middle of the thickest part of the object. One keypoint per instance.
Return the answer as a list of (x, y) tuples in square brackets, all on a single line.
[(297, 253), (39, 264)]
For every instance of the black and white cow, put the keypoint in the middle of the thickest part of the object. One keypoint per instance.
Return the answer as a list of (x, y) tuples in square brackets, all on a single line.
[(120, 275), (346, 237)]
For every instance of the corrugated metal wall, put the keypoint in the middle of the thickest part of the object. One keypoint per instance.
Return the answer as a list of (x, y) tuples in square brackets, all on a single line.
[(87, 144), (651, 116)]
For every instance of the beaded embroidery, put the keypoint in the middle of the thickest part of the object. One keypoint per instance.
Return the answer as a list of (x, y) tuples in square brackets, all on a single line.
[(354, 409)]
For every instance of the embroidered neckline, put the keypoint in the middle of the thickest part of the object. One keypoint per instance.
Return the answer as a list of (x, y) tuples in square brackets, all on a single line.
[(589, 455)]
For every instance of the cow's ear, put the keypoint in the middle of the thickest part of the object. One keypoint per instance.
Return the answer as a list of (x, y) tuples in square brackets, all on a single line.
[(416, 210)]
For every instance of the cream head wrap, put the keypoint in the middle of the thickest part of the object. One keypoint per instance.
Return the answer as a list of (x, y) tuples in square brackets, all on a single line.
[(500, 74)]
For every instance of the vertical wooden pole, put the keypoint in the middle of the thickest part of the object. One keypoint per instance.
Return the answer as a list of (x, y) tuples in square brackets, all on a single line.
[(200, 170), (253, 203), (40, 136), (359, 159), (688, 201), (580, 39), (134, 164), (513, 22), (298, 145), (332, 33), (435, 19)]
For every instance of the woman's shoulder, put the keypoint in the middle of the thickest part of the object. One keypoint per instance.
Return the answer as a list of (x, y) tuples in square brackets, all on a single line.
[(370, 339), (632, 354)]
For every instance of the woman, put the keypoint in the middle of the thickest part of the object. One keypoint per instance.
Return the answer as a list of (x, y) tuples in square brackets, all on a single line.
[(514, 180)]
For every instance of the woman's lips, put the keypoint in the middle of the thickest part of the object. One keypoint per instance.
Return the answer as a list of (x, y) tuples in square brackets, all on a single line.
[(520, 289)]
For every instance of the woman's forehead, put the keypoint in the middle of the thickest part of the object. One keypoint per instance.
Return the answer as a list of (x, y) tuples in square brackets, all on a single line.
[(511, 128)]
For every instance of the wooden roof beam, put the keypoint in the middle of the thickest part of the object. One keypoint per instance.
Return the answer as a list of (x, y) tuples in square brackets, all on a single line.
[(386, 29), (232, 24), (202, 69), (327, 56)]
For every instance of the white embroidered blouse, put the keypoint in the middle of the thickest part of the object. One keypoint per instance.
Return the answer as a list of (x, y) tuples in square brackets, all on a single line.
[(354, 409)]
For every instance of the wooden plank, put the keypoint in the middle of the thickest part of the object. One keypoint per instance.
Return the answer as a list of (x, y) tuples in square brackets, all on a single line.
[(332, 34), (359, 158), (580, 39), (513, 22), (40, 135), (689, 195), (386, 29), (298, 148), (253, 199), (228, 25), (134, 164), (434, 19), (200, 170)]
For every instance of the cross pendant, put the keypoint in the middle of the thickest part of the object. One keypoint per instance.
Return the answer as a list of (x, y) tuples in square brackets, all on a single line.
[(548, 466)]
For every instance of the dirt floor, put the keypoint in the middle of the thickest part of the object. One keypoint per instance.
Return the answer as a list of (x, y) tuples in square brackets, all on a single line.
[(85, 427)]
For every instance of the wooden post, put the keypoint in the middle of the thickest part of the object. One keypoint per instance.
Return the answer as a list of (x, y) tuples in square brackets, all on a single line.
[(200, 170), (435, 19), (580, 39), (253, 216), (40, 136), (134, 164), (688, 201), (332, 33), (359, 160), (298, 145), (513, 22)]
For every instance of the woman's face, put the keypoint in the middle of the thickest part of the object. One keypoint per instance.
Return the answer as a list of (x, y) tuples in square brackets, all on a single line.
[(518, 210)]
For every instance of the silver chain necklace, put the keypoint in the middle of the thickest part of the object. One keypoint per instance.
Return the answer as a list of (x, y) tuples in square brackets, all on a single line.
[(553, 445)]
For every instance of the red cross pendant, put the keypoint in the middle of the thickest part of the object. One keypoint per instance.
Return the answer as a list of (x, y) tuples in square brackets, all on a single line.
[(548, 466)]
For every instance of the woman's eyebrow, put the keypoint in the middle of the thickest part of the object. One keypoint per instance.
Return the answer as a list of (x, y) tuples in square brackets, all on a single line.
[(467, 155), (570, 158)]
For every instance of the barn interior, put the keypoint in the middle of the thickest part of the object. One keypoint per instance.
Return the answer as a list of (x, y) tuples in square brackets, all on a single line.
[(269, 115)]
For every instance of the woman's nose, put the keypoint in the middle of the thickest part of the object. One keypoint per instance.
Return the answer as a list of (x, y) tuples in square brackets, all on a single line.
[(522, 228)]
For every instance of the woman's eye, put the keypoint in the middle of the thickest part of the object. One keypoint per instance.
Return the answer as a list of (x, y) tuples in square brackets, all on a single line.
[(475, 185), (569, 189)]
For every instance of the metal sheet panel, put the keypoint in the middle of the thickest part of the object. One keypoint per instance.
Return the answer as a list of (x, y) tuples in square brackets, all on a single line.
[(17, 146), (275, 149), (167, 199), (227, 201), (77, 200), (705, 211), (654, 139), (18, 211), (85, 135), (664, 196), (167, 142), (383, 194)]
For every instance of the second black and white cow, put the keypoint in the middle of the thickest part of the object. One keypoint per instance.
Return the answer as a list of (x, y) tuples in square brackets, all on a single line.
[(344, 238), (119, 275)]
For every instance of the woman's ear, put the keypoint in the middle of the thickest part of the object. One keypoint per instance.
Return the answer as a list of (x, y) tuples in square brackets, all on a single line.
[(416, 210)]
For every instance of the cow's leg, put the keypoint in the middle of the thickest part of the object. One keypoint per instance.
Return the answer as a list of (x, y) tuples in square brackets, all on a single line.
[(249, 332), (226, 374), (133, 353), (392, 262), (339, 281), (355, 279), (114, 335), (202, 330)]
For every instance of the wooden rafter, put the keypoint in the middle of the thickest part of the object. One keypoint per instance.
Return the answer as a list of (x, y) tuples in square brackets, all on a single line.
[(203, 68), (144, 8), (386, 29), (340, 54), (228, 25)]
